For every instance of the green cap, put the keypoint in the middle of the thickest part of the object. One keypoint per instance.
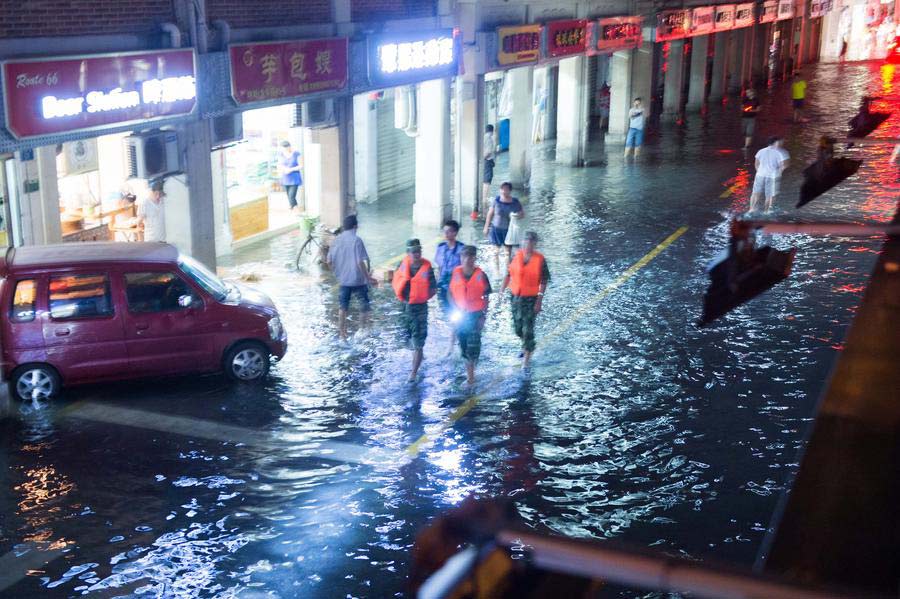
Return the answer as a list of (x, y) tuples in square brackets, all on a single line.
[(413, 244)]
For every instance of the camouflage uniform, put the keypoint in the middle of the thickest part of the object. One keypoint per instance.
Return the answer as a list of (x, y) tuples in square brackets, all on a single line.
[(415, 324), (523, 320), (469, 333)]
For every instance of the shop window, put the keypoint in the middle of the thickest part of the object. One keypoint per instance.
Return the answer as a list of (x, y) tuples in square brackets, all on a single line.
[(23, 301), (80, 296), (155, 291)]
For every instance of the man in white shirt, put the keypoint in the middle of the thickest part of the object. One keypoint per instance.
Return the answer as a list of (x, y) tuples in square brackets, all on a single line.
[(349, 261), (636, 119), (151, 213), (490, 149), (770, 163)]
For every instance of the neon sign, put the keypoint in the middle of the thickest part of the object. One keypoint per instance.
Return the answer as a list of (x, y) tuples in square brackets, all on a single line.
[(400, 58), (154, 91), (519, 44)]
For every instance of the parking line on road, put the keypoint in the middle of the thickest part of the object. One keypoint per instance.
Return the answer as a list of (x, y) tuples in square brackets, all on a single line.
[(426, 439)]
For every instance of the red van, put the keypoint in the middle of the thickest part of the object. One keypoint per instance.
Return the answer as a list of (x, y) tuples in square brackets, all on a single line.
[(90, 312)]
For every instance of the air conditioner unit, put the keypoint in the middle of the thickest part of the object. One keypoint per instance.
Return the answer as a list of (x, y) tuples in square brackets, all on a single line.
[(317, 114), (78, 157), (226, 130), (152, 154)]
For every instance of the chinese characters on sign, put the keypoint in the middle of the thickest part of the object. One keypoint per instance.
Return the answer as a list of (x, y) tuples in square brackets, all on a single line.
[(618, 33), (785, 9), (769, 12), (519, 44), (60, 95), (673, 25), (724, 17), (819, 8), (269, 71), (395, 59), (702, 20), (408, 56), (743, 15), (565, 38)]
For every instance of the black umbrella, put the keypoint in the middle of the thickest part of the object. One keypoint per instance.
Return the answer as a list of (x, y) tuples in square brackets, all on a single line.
[(817, 181), (861, 125)]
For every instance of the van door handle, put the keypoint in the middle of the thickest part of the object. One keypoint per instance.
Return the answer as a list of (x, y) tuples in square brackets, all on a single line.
[(61, 332), (141, 327)]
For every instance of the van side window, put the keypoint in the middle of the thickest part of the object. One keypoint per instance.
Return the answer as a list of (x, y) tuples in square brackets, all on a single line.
[(155, 291), (80, 296), (23, 301)]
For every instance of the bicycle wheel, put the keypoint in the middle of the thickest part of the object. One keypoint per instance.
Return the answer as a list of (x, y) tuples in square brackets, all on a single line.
[(306, 257)]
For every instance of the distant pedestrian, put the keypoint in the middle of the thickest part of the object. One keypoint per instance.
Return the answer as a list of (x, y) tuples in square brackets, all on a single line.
[(770, 163), (636, 121), (845, 43), (749, 110), (527, 281), (497, 219), (446, 258), (489, 150), (349, 261), (151, 212), (470, 289), (798, 95), (289, 169), (414, 285)]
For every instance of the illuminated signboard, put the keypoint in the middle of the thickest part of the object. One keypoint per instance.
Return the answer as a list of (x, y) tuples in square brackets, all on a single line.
[(272, 70), (785, 9), (769, 12), (673, 25), (743, 15), (724, 17), (517, 45), (46, 96), (819, 8), (565, 38), (618, 33), (702, 20), (398, 58)]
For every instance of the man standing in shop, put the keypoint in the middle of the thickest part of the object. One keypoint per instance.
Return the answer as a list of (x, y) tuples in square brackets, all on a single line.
[(349, 261), (490, 150), (289, 169), (151, 213)]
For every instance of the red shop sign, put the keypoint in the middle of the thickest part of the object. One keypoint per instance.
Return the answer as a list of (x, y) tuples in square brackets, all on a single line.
[(46, 96), (273, 70), (618, 33), (565, 38), (673, 25)]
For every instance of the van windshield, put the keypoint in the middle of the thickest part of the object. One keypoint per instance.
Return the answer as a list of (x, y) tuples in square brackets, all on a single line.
[(203, 277)]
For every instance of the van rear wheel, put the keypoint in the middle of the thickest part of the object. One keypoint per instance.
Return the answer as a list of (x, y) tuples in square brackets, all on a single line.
[(35, 382), (247, 362)]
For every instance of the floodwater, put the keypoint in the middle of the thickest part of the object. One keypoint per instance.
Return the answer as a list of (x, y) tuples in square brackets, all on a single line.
[(634, 424)]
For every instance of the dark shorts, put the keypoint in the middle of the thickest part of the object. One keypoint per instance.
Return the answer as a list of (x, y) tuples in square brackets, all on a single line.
[(469, 334), (444, 299), (361, 291), (523, 320), (497, 236), (798, 103), (747, 127), (415, 324), (488, 171)]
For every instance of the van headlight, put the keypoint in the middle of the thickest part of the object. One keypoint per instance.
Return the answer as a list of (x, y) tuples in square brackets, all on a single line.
[(276, 330)]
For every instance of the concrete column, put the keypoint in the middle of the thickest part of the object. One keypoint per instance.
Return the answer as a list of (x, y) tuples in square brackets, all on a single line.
[(470, 136), (736, 51), (718, 86), (189, 204), (433, 158), (622, 91), (697, 89), (642, 76), (39, 197), (674, 80), (520, 82), (365, 149), (327, 169), (759, 68), (571, 121)]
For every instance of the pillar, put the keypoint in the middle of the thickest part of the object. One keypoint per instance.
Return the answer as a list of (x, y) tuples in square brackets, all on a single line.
[(674, 80), (571, 121), (699, 57), (735, 65), (326, 177), (365, 149), (433, 158), (759, 67), (622, 69), (718, 85), (520, 82), (642, 76), (469, 139), (39, 197)]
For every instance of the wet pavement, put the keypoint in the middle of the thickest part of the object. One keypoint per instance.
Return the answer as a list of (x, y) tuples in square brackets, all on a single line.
[(634, 424)]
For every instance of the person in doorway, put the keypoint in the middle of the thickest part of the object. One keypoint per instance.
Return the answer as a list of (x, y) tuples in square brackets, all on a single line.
[(798, 95), (490, 152), (446, 258), (349, 261), (770, 163), (289, 169), (498, 217), (470, 290), (151, 213), (749, 110), (603, 104), (845, 43), (414, 285), (527, 281), (636, 120)]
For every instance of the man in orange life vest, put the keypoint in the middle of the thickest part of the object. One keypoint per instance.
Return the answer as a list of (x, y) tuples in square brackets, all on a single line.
[(470, 290), (414, 284), (527, 279)]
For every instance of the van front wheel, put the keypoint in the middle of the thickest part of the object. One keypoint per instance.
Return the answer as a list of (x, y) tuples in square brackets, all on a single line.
[(247, 362), (35, 382)]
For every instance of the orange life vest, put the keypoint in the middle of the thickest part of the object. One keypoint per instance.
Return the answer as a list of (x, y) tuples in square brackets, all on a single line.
[(469, 294), (525, 279), (419, 289)]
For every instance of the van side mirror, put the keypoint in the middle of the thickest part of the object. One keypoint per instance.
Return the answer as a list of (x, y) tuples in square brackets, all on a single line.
[(186, 301)]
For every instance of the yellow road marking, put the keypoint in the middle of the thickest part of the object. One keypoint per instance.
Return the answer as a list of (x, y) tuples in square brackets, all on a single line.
[(470, 403), (730, 190)]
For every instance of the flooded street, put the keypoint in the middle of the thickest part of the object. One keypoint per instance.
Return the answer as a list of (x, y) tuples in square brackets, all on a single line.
[(634, 424)]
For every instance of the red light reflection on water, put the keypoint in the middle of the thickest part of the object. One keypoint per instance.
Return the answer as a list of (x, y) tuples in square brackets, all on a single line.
[(738, 188), (850, 288)]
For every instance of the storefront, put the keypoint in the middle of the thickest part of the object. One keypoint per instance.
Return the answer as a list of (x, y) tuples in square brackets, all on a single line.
[(671, 59), (286, 89), (69, 181), (611, 84), (813, 36), (861, 29)]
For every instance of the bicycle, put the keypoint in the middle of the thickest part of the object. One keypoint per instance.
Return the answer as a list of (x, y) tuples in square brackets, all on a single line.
[(314, 250)]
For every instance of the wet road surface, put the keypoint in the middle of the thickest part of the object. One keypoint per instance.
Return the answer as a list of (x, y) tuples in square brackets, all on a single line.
[(633, 425)]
